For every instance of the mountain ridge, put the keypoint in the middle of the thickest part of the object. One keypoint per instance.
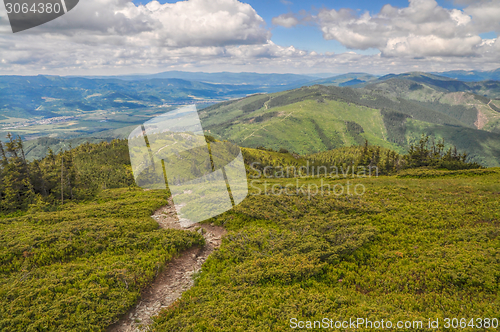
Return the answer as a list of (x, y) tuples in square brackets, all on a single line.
[(319, 118)]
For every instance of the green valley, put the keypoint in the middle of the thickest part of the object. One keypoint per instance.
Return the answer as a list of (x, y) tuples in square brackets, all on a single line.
[(392, 111), (99, 107)]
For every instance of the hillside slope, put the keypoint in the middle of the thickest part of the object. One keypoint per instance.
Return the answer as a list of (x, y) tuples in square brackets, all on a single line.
[(320, 118), (471, 109), (409, 249), (488, 88), (81, 265)]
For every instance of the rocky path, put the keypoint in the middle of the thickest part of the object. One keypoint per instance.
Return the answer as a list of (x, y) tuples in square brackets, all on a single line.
[(175, 278)]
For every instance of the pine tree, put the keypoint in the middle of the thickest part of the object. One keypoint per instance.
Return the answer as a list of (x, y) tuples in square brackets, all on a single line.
[(16, 184)]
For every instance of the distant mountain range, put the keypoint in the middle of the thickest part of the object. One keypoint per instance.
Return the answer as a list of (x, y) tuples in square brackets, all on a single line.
[(289, 79), (472, 75), (350, 79), (220, 78), (302, 113), (489, 89)]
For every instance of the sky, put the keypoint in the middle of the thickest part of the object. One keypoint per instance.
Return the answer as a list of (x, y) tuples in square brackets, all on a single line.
[(114, 37)]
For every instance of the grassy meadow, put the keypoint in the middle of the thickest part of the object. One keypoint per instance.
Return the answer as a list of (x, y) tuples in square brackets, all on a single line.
[(421, 245), (418, 243)]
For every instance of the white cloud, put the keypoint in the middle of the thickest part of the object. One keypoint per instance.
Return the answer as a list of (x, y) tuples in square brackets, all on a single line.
[(422, 29), (116, 33), (114, 23), (286, 20), (432, 45), (118, 37), (485, 15), (181, 24), (77, 59)]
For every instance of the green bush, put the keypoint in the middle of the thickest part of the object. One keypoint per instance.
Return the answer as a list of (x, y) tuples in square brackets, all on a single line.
[(81, 268)]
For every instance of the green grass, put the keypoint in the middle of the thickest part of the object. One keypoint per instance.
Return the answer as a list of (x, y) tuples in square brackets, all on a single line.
[(409, 249), (421, 244), (80, 268)]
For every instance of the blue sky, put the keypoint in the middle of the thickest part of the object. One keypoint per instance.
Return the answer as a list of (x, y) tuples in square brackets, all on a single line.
[(286, 36)]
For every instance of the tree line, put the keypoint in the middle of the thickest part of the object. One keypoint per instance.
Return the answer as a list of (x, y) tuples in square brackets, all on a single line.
[(71, 175), (80, 173)]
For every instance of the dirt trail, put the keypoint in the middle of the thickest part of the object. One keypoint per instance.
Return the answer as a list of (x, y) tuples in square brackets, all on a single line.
[(175, 278), (482, 119), (489, 105), (264, 126)]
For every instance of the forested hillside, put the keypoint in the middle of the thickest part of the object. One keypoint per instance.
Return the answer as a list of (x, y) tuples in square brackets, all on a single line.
[(393, 114), (81, 173), (76, 174), (75, 254)]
